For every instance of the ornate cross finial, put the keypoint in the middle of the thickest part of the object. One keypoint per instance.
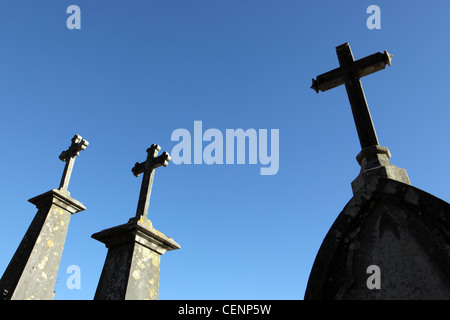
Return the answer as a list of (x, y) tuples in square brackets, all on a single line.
[(68, 156), (349, 73), (147, 167)]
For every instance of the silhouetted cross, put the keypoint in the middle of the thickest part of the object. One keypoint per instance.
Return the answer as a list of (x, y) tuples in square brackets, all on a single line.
[(68, 156), (349, 73), (153, 161)]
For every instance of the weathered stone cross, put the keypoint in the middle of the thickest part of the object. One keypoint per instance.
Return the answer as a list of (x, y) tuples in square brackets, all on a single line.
[(349, 73), (147, 167), (68, 156)]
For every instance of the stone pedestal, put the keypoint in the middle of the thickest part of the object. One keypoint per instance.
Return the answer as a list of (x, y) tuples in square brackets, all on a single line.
[(131, 269), (374, 162), (32, 272)]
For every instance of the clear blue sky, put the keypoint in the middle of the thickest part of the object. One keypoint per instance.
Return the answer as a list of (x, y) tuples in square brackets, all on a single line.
[(138, 70)]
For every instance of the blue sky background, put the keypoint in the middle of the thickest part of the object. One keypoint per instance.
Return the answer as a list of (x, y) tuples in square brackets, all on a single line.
[(138, 70)]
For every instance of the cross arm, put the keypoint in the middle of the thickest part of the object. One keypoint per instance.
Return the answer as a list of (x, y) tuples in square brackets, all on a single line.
[(152, 162), (138, 169), (328, 80), (372, 63), (78, 144), (363, 67), (152, 152), (162, 160)]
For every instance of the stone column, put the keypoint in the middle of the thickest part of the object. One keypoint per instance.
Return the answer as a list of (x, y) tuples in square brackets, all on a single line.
[(31, 274), (131, 269)]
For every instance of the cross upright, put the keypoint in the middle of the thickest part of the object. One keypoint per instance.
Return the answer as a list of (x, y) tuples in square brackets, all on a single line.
[(147, 167), (68, 156), (349, 73)]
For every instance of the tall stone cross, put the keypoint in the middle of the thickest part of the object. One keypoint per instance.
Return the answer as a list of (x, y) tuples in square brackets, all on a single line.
[(132, 265), (68, 156), (32, 271), (349, 73), (148, 168), (398, 232), (373, 158)]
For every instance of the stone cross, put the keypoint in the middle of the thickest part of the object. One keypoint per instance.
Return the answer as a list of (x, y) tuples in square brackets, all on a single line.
[(349, 73), (147, 167), (68, 156), (32, 271), (132, 265)]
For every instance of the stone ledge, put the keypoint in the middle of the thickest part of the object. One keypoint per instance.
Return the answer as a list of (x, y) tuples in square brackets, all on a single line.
[(60, 198), (137, 230)]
